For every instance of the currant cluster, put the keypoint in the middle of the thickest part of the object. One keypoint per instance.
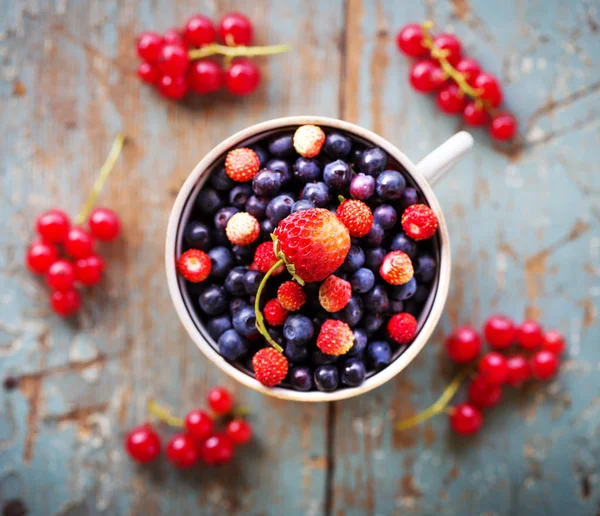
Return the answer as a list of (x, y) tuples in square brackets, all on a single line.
[(199, 441), (462, 86)]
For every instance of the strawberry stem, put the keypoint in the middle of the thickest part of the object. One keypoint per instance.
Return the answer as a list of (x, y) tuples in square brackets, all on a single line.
[(260, 321), (237, 51), (163, 414)]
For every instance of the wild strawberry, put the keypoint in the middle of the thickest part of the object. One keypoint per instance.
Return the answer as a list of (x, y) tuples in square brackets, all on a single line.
[(419, 222), (264, 259), (334, 293), (402, 328), (275, 314), (396, 268), (291, 296), (242, 164), (356, 216), (335, 338), (270, 366), (194, 265), (242, 229), (308, 140)]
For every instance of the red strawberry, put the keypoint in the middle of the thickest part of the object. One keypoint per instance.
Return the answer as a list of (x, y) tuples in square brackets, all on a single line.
[(275, 314), (335, 338), (396, 268), (242, 164), (419, 222), (291, 296), (356, 216), (242, 229), (264, 258), (402, 328), (334, 293), (270, 366), (308, 140), (194, 265)]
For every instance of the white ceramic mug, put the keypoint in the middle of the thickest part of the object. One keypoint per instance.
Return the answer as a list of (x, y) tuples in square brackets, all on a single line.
[(424, 174)]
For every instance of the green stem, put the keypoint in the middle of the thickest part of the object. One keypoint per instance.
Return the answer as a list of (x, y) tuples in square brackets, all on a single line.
[(260, 321), (163, 414), (237, 51)]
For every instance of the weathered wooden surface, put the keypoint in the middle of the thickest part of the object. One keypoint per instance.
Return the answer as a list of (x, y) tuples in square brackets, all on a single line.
[(524, 227)]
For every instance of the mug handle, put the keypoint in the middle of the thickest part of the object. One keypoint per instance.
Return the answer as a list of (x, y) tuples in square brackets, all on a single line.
[(441, 160)]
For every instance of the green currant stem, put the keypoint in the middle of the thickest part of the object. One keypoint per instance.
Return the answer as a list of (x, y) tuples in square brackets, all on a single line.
[(163, 414), (105, 171), (237, 51), (260, 321)]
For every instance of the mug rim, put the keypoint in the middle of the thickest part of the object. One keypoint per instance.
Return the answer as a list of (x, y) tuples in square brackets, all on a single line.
[(441, 284)]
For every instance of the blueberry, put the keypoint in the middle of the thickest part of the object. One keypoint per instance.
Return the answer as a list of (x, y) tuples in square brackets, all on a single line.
[(362, 280), (408, 198), (356, 155), (320, 358), (296, 354), (239, 194), (298, 329), (354, 259), (219, 238), (352, 313), (209, 201), (337, 145), (218, 325), (317, 193), (266, 228), (362, 187), (252, 280), (307, 170), (256, 206), (337, 175), (386, 216), (213, 300), (353, 372), (406, 291), (375, 236), (396, 306), (221, 260), (266, 183), (282, 168), (425, 268), (360, 342), (401, 242), (326, 378), (244, 321), (221, 181), (372, 323), (197, 235), (373, 161), (301, 379), (279, 208), (222, 217), (302, 205), (282, 146), (390, 184), (374, 257), (421, 294), (376, 300), (277, 335), (234, 282), (232, 345), (236, 304), (261, 152), (379, 354)]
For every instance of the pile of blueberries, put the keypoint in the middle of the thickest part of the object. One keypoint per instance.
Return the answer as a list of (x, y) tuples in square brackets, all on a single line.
[(285, 184)]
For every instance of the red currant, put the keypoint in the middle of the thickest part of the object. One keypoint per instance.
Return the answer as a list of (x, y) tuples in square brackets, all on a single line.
[(490, 88), (147, 73), (205, 76), (483, 394), (143, 444), (517, 370), (465, 419), (173, 60), (235, 29), (426, 76), (544, 365), (61, 275), (40, 256), (474, 114), (173, 37), (217, 449), (451, 99), (149, 45), (463, 345), (53, 226), (88, 271), (503, 127), (492, 367), (499, 331), (182, 451), (242, 77), (199, 425), (198, 31), (470, 69), (529, 335), (451, 45), (220, 400), (410, 40), (104, 224), (239, 431), (78, 243), (65, 303), (554, 342), (172, 87)]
